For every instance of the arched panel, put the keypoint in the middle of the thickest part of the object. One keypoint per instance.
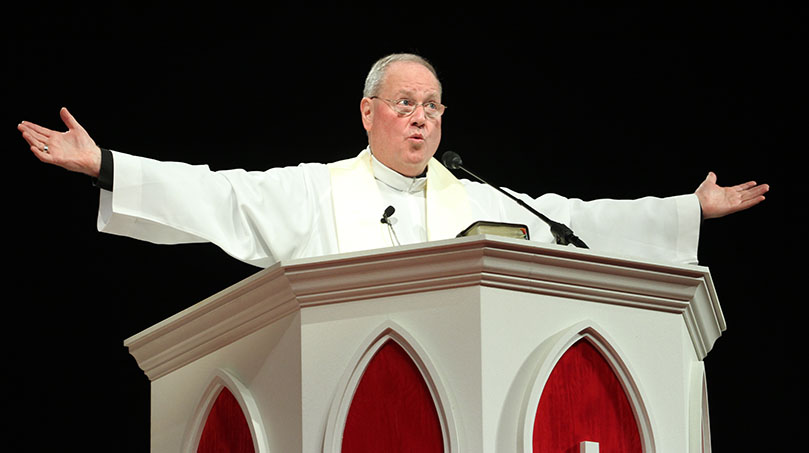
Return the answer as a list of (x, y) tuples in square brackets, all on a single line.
[(225, 428), (226, 419), (583, 400), (392, 409), (390, 369), (591, 351)]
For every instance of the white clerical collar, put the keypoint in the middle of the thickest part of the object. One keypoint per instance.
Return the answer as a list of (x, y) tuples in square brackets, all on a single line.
[(396, 180)]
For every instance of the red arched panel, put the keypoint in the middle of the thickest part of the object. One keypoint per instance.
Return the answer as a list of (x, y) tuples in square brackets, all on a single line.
[(392, 409), (226, 429), (583, 400)]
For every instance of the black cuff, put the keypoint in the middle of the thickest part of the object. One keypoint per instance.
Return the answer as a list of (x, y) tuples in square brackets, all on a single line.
[(105, 174)]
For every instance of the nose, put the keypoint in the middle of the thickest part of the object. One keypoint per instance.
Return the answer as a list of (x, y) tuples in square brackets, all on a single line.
[(419, 116)]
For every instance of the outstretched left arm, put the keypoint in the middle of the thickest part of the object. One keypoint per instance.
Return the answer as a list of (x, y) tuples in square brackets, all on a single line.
[(717, 201)]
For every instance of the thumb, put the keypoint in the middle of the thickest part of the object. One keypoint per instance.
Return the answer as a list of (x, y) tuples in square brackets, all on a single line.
[(711, 178), (68, 119)]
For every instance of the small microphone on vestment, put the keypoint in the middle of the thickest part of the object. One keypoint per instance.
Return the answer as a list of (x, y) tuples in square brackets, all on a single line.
[(386, 220), (385, 215)]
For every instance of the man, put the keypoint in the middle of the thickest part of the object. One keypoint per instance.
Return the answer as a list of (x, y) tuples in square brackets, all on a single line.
[(318, 209)]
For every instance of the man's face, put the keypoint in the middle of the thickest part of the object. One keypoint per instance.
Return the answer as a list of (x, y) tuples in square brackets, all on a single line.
[(403, 143)]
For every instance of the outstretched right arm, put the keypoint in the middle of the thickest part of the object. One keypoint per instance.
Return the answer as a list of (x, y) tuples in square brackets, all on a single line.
[(257, 217)]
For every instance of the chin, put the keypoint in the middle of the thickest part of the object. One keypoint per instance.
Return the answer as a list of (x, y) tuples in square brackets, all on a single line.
[(414, 165), (421, 151), (420, 160)]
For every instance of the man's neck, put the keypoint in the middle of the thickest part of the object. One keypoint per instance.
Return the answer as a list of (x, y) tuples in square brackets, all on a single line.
[(396, 180)]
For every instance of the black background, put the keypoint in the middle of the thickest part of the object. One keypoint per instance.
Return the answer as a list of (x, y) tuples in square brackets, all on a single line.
[(590, 104)]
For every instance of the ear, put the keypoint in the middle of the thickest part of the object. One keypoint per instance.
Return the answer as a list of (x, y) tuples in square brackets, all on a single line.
[(367, 112)]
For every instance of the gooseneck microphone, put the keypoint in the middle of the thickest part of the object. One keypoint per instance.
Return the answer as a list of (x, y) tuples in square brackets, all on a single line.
[(561, 233)]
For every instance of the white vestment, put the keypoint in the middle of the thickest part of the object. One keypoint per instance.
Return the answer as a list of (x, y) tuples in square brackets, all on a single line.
[(318, 209)]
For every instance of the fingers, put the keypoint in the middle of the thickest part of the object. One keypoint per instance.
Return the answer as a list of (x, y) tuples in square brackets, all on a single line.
[(749, 203), (744, 187), (38, 137), (35, 139), (750, 196), (750, 190), (44, 156), (29, 126), (31, 133), (42, 134), (756, 192)]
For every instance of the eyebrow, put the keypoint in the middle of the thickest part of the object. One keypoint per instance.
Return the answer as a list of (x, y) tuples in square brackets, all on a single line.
[(431, 95)]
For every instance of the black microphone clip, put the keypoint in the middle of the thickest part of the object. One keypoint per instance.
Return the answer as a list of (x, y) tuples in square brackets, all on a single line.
[(386, 215), (394, 239)]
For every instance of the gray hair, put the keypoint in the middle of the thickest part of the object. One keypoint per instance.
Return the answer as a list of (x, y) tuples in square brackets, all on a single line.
[(377, 73)]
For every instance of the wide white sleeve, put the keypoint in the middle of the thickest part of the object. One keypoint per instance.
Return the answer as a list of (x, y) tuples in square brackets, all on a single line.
[(256, 217), (659, 229), (651, 228)]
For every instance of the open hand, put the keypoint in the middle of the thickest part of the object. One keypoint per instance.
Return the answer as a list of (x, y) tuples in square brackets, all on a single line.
[(718, 201), (73, 150)]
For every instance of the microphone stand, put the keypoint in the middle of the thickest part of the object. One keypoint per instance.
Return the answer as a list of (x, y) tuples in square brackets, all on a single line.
[(561, 233)]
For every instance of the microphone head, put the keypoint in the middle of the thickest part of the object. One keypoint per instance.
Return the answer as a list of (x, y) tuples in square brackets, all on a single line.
[(388, 212), (451, 160)]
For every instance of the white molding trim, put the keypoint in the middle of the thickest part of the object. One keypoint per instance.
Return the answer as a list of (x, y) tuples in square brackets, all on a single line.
[(486, 261), (347, 386), (548, 355), (225, 379), (213, 323), (516, 265)]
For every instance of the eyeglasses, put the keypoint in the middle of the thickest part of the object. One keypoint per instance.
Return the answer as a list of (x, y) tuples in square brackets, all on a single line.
[(406, 106)]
